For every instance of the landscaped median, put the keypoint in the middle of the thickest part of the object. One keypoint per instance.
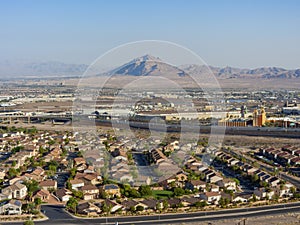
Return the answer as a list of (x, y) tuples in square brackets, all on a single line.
[(22, 218), (199, 216)]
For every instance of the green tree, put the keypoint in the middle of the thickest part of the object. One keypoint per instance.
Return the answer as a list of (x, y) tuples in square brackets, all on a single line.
[(254, 198), (179, 191), (78, 194), (32, 186), (69, 185), (50, 143), (293, 190), (165, 204), (254, 178), (200, 204), (42, 150), (38, 202), (17, 149), (132, 193), (12, 172), (145, 190), (79, 154), (73, 172), (224, 202), (72, 204), (103, 195), (139, 208), (236, 181), (106, 208), (67, 141), (132, 209), (14, 163)]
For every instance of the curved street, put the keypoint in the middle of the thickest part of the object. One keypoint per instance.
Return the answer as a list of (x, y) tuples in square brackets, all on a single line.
[(58, 216)]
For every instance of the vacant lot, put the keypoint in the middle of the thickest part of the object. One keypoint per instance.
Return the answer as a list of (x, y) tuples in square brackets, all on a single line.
[(286, 219)]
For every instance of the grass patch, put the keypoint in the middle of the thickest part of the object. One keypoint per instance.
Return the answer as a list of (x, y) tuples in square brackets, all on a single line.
[(162, 194)]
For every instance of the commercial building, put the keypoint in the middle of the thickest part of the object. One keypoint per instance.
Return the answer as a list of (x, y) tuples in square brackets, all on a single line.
[(259, 117)]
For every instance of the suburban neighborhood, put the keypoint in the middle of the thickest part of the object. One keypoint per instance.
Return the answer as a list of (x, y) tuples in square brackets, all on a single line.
[(100, 176)]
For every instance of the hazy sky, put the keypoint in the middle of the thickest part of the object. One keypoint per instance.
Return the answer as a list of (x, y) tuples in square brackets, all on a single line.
[(235, 33)]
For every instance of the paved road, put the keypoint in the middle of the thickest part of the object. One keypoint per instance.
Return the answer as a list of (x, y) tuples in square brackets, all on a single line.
[(58, 216)]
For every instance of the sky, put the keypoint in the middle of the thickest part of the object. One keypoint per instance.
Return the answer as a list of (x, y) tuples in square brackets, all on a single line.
[(246, 34)]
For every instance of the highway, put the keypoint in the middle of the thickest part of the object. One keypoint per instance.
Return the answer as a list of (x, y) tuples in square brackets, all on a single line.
[(186, 126), (58, 216)]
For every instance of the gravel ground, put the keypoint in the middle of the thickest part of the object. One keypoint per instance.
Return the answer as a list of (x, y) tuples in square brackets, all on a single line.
[(286, 219)]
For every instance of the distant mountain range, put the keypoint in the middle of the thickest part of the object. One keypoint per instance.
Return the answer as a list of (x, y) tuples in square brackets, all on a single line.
[(149, 65), (146, 65), (22, 69), (231, 72)]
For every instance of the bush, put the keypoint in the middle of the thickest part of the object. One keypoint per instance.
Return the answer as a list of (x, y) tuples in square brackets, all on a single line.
[(28, 222), (139, 208)]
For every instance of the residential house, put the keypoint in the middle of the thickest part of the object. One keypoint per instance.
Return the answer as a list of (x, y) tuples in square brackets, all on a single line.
[(114, 207), (48, 184), (273, 181), (38, 174), (214, 178), (17, 190), (196, 185), (283, 191), (263, 193), (150, 203), (88, 208), (295, 161), (232, 162), (228, 184), (89, 192), (44, 195), (157, 156), (181, 177), (78, 161), (211, 197), (89, 169), (214, 188), (242, 198), (111, 190), (189, 201), (90, 178), (174, 202), (76, 183), (15, 179), (11, 207), (63, 194), (249, 169), (128, 204)]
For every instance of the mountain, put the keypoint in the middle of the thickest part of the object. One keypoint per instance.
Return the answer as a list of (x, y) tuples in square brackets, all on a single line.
[(17, 69), (147, 65), (231, 72), (57, 68)]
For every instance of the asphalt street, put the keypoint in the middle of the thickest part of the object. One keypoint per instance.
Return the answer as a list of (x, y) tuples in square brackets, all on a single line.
[(58, 216)]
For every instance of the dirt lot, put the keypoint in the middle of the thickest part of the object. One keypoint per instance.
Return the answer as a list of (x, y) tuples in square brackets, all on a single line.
[(286, 219)]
